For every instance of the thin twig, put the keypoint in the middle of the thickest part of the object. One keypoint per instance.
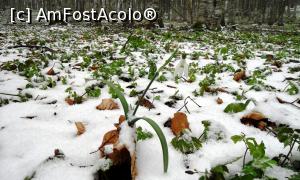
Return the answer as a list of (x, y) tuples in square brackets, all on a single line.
[(244, 158), (288, 154)]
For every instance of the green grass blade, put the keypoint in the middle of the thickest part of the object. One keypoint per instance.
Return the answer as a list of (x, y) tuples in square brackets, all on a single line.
[(152, 80), (161, 137), (120, 96)]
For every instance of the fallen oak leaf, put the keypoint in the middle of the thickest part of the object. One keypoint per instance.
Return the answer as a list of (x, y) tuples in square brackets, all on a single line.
[(146, 103), (80, 128), (111, 137), (178, 123), (239, 75), (107, 104)]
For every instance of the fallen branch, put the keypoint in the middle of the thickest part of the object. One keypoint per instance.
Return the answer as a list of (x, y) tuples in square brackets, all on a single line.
[(286, 102)]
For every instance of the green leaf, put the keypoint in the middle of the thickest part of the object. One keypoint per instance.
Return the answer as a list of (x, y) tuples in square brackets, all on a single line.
[(293, 90), (120, 96), (161, 137), (236, 107), (153, 78), (143, 135), (237, 138), (186, 146)]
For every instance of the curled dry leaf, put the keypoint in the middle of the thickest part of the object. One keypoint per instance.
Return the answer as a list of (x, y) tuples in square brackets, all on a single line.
[(257, 120), (111, 137), (51, 72), (107, 104), (146, 103), (178, 123), (219, 101), (239, 75), (80, 128), (121, 119)]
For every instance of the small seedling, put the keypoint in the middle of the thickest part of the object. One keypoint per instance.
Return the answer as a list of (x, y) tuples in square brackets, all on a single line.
[(259, 163)]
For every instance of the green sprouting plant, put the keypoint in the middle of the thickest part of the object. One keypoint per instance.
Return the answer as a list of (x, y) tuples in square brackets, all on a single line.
[(51, 83), (64, 80), (236, 107), (136, 42), (290, 138), (259, 163), (162, 78), (74, 96), (295, 177), (93, 90), (86, 62), (206, 83), (132, 119), (195, 55), (193, 69), (113, 92), (107, 70), (3, 101), (216, 173), (217, 68), (142, 72), (185, 143), (152, 69), (238, 96), (133, 93), (293, 89), (204, 135), (142, 134), (29, 68), (256, 78)]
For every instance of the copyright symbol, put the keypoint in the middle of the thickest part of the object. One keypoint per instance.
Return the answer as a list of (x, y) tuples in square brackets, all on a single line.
[(150, 14)]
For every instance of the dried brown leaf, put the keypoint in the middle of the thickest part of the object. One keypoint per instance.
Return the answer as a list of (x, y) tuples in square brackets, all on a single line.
[(179, 122), (239, 75), (70, 101), (107, 104), (146, 103), (80, 128), (255, 116), (219, 101), (51, 72)]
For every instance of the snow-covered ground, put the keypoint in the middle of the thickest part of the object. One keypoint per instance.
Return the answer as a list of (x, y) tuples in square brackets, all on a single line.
[(30, 131)]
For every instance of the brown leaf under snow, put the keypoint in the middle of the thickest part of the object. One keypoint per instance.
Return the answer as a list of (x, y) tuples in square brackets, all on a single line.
[(70, 101), (179, 122), (51, 72), (80, 128), (146, 103), (239, 75), (111, 137), (257, 120), (255, 116), (219, 101), (107, 104)]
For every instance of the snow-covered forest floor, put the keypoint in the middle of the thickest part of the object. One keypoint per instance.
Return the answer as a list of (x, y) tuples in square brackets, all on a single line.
[(239, 83)]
